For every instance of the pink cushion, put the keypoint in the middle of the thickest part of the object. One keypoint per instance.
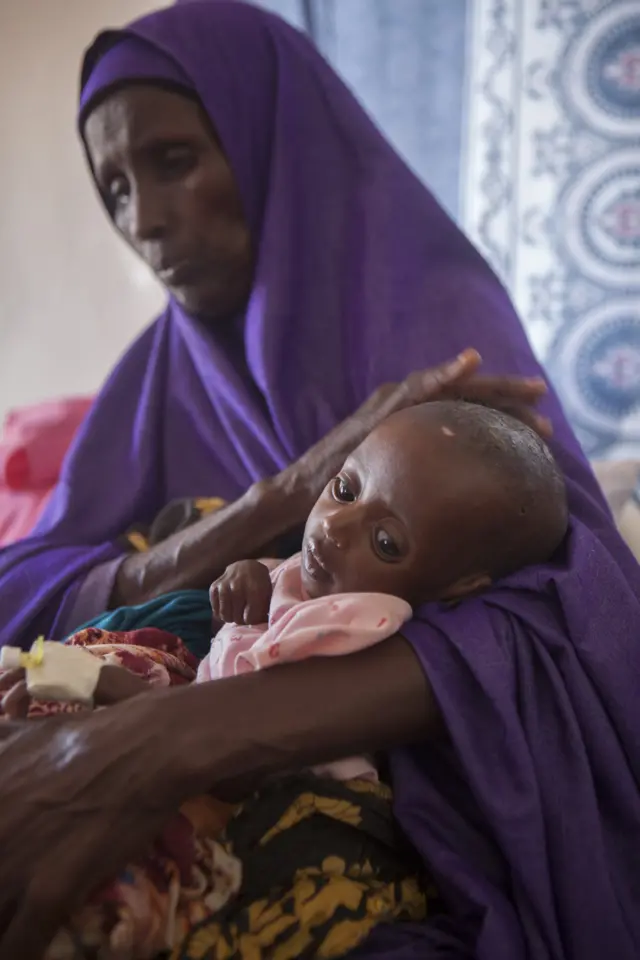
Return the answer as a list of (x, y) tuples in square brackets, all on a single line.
[(36, 440), (32, 448), (19, 513)]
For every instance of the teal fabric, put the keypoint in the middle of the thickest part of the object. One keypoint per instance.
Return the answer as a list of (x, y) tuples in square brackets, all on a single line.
[(185, 614)]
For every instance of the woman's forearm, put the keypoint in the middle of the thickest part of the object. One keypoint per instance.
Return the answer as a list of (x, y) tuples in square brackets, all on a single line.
[(232, 734), (194, 557)]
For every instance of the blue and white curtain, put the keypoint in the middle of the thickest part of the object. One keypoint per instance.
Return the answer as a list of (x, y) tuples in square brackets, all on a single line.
[(523, 116)]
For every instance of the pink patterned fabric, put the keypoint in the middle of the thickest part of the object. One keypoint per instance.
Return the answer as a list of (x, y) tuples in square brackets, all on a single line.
[(299, 628)]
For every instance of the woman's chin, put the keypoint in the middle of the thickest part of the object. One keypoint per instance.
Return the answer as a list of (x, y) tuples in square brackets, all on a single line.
[(210, 301)]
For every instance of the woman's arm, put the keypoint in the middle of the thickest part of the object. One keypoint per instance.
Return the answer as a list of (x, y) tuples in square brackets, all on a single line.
[(194, 557), (80, 797), (297, 715), (272, 508)]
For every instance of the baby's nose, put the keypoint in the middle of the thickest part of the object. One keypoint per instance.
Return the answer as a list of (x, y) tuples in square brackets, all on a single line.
[(336, 530)]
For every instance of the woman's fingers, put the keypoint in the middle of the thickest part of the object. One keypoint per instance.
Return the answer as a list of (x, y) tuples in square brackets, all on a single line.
[(424, 385), (458, 379), (464, 365), (10, 728), (35, 922), (10, 678), (15, 703), (526, 390), (542, 425), (52, 860), (529, 416), (55, 889), (516, 396)]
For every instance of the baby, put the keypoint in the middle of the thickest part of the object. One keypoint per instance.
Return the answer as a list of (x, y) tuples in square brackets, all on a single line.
[(438, 503)]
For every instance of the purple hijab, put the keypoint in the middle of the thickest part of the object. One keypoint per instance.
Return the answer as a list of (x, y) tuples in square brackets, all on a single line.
[(529, 817)]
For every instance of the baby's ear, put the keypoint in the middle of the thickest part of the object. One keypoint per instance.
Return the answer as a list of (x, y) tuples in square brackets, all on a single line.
[(473, 583)]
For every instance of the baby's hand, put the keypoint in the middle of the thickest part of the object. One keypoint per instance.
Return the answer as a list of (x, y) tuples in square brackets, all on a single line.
[(242, 594), (115, 683)]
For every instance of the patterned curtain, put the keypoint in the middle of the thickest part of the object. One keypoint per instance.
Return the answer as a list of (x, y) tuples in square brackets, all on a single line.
[(523, 116)]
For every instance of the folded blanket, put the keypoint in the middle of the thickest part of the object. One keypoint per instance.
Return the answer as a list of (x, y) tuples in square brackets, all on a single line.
[(185, 614)]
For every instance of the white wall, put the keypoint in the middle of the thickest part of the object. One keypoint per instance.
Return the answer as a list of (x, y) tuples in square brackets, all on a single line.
[(71, 295)]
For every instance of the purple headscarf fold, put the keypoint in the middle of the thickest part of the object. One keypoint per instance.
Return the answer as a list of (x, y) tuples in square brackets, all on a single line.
[(129, 59), (529, 816)]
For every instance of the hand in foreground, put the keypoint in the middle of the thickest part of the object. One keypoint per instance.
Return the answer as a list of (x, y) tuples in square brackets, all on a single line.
[(80, 797), (242, 594)]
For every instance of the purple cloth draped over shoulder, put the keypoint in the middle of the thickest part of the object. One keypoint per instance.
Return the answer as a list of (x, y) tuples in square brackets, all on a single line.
[(529, 815)]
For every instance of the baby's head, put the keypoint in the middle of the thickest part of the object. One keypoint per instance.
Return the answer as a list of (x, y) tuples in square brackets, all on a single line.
[(438, 502)]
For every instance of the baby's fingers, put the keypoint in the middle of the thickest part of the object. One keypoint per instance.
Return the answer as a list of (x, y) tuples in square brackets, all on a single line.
[(225, 603), (256, 610), (239, 603), (214, 599)]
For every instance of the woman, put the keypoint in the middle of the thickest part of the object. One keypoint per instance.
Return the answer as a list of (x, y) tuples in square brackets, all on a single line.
[(307, 266)]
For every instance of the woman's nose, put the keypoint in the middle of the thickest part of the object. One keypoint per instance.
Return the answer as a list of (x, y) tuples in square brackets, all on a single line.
[(147, 216)]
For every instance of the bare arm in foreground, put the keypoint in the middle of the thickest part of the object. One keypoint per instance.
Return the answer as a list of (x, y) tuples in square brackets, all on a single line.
[(80, 797)]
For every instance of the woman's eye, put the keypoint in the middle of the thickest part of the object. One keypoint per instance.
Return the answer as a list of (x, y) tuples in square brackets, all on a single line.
[(386, 547), (176, 162), (117, 190), (342, 491)]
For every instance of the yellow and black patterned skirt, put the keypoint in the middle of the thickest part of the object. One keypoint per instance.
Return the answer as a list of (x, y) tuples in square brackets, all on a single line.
[(323, 863)]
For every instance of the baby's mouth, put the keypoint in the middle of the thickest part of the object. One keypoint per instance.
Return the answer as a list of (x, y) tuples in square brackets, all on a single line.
[(314, 560)]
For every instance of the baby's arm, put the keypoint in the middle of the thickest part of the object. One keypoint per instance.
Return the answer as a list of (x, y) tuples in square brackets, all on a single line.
[(116, 683)]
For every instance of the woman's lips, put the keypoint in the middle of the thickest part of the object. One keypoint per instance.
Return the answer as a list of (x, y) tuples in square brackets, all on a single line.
[(179, 274), (314, 562)]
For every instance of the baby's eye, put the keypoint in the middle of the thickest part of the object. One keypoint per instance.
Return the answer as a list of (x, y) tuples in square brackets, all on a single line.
[(385, 545), (342, 491)]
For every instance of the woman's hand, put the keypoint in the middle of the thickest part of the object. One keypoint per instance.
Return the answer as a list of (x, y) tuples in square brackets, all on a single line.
[(14, 696), (456, 379), (242, 594), (279, 505), (80, 796)]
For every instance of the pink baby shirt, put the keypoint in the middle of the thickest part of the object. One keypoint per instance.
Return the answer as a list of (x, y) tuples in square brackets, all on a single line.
[(299, 628)]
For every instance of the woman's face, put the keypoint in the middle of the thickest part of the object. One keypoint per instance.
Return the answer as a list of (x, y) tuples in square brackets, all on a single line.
[(170, 191)]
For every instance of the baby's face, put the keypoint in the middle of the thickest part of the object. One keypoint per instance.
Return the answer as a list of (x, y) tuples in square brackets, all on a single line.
[(395, 519)]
